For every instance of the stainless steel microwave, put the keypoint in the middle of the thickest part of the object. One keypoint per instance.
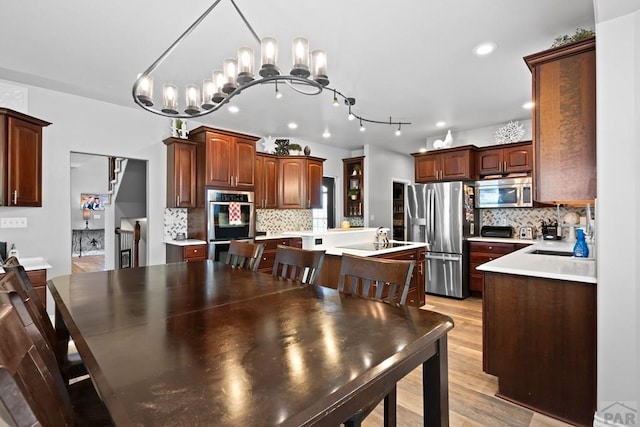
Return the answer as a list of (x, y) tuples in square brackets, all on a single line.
[(504, 193)]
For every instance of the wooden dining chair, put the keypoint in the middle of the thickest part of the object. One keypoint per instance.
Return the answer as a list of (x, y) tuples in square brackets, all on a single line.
[(385, 280), (32, 391), (70, 363), (245, 255), (300, 265)]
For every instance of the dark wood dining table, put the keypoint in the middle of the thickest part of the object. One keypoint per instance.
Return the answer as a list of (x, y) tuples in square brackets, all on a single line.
[(205, 344)]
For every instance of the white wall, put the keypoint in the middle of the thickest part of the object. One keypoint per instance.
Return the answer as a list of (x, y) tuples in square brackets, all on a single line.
[(381, 168), (480, 137), (618, 234), (90, 176), (86, 126)]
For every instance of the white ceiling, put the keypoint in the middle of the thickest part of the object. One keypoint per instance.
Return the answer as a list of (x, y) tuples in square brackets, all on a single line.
[(408, 59)]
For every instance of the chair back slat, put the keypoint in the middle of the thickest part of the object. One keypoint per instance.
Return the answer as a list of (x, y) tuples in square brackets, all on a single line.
[(300, 265), (390, 278), (245, 255)]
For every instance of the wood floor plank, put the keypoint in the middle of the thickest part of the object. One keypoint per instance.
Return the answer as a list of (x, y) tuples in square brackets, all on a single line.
[(472, 401), (87, 263)]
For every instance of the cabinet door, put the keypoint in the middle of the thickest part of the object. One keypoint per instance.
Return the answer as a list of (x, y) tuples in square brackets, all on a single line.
[(427, 167), (24, 149), (219, 160), (518, 159), (259, 192), (565, 128), (266, 182), (456, 165), (490, 161), (184, 177), (292, 183), (314, 184), (244, 151)]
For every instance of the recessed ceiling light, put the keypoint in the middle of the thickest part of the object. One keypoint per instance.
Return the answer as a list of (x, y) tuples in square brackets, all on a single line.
[(440, 124), (233, 109), (485, 48), (326, 134), (293, 125), (528, 105)]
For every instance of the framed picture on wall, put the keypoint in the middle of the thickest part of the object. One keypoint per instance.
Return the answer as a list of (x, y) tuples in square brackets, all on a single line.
[(93, 201), (125, 258)]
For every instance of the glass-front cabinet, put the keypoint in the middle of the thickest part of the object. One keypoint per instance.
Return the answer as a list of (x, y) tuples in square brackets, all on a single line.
[(353, 188)]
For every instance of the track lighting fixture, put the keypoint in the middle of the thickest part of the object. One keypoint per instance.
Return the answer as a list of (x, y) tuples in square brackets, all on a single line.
[(399, 131), (335, 99), (278, 93), (361, 126)]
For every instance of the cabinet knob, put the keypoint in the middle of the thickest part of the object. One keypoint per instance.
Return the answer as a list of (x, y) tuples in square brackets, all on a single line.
[(195, 250), (15, 197), (490, 247)]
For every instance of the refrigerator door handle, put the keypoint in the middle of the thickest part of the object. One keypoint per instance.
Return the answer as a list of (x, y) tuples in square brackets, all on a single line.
[(449, 257), (432, 216)]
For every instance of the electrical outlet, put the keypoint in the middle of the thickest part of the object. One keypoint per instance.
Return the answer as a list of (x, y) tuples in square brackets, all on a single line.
[(13, 222)]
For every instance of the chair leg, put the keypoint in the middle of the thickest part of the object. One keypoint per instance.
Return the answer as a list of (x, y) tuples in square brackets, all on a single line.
[(390, 411)]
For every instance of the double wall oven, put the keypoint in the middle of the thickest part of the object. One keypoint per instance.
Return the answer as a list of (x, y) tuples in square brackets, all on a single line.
[(230, 216)]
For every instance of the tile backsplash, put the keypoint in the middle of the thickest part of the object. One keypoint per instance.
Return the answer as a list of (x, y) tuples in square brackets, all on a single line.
[(175, 221), (518, 217), (275, 221)]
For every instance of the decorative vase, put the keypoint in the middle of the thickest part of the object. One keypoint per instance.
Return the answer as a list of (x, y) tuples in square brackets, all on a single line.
[(307, 150)]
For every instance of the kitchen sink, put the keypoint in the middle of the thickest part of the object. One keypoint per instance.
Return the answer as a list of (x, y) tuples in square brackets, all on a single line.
[(547, 252)]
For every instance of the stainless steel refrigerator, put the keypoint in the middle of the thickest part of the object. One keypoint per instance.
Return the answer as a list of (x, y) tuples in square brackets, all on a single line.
[(443, 215)]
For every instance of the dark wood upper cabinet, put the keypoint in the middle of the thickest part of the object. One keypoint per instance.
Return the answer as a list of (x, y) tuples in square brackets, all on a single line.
[(300, 185), (20, 159), (512, 158), (182, 179), (564, 122), (266, 181), (451, 164), (229, 158)]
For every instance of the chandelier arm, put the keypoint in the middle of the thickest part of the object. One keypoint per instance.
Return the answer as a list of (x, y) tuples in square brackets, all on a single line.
[(179, 40), (245, 21), (289, 79)]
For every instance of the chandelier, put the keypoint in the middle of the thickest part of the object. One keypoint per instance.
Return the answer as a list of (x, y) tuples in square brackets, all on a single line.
[(308, 76)]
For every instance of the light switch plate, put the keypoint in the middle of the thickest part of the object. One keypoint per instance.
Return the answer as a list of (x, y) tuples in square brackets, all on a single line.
[(13, 222)]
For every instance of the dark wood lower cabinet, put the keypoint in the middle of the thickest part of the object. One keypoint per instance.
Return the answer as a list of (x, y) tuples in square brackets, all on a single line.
[(270, 248), (539, 339), (39, 281), (189, 253)]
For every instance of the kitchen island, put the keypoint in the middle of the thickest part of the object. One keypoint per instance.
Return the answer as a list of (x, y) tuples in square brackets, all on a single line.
[(539, 330), (360, 242)]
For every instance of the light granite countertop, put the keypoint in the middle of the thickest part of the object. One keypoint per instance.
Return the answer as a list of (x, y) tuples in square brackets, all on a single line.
[(186, 242), (32, 263), (525, 263)]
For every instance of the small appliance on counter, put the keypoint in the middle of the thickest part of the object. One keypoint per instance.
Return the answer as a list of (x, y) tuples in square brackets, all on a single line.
[(527, 233), (501, 231), (550, 231)]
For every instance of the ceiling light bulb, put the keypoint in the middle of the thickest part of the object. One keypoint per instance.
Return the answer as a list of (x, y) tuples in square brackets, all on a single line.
[(233, 109), (326, 134), (351, 116), (293, 125), (440, 124), (528, 105), (278, 93), (335, 99), (398, 131), (362, 128)]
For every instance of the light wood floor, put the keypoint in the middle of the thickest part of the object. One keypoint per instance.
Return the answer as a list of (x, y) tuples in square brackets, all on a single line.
[(87, 263), (471, 392)]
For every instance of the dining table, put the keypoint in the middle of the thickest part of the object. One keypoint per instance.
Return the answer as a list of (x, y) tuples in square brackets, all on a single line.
[(203, 343)]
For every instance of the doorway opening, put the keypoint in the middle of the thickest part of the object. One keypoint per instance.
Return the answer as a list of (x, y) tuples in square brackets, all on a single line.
[(108, 196), (324, 218)]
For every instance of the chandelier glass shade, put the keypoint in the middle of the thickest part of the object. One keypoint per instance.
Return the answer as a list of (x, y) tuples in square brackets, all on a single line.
[(308, 75)]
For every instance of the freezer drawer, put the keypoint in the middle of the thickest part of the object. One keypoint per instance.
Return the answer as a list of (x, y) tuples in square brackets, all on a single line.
[(444, 275)]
